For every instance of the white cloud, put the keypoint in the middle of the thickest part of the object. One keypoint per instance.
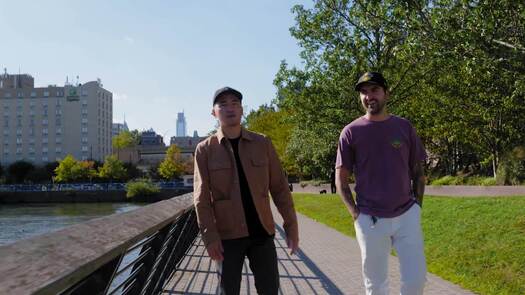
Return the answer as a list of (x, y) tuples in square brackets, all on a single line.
[(120, 96), (129, 40)]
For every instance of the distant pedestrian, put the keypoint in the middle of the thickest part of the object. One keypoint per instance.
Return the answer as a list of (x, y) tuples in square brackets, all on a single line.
[(235, 170), (386, 157)]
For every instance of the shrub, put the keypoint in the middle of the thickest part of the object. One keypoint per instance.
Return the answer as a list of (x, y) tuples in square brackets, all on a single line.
[(141, 187), (489, 181), (448, 180)]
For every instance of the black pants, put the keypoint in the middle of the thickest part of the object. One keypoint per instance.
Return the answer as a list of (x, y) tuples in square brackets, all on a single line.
[(263, 263)]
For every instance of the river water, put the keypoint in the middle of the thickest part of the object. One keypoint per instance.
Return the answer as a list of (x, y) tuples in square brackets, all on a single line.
[(22, 221)]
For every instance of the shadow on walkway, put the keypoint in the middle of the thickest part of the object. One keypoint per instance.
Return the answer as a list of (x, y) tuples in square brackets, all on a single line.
[(298, 273)]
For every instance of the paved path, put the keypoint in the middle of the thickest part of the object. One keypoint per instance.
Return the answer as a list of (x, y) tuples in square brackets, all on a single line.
[(445, 190), (328, 263)]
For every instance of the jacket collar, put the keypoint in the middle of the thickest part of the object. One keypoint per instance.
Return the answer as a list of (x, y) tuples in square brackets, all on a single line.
[(245, 134)]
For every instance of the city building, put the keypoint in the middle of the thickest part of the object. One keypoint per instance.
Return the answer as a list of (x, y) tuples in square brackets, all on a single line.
[(44, 124), (118, 128), (151, 138), (187, 144), (181, 125)]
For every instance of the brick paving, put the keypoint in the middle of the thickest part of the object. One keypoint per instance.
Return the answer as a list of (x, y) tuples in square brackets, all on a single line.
[(328, 263)]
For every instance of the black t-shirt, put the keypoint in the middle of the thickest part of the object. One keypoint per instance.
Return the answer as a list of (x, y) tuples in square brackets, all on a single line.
[(255, 227)]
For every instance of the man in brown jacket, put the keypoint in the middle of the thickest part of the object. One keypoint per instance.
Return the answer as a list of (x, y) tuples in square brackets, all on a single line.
[(235, 169)]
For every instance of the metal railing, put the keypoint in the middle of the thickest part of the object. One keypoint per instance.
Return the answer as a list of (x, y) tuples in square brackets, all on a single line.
[(95, 258), (59, 187)]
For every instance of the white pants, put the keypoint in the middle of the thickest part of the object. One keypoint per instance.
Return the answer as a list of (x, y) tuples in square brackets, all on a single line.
[(402, 232)]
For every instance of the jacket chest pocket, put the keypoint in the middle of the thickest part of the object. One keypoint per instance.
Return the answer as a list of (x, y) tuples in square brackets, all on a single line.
[(220, 179), (261, 175)]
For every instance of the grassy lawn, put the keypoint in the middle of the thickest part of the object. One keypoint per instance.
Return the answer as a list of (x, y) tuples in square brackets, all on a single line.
[(477, 243)]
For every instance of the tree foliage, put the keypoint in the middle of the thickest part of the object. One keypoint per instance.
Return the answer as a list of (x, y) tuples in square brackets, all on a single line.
[(19, 170), (173, 165), (69, 170), (463, 89), (113, 169)]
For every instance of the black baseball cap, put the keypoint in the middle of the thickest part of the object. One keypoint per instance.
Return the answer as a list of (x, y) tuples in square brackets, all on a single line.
[(372, 78), (225, 90)]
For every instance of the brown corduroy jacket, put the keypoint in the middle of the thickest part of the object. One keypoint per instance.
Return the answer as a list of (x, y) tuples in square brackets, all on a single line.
[(217, 195)]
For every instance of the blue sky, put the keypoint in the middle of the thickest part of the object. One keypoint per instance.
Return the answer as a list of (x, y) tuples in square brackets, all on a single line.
[(157, 57)]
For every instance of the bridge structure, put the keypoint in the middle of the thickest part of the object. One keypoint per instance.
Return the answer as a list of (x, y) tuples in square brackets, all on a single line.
[(157, 249)]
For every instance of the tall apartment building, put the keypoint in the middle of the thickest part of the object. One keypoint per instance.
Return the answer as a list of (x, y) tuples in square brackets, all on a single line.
[(181, 125), (44, 124)]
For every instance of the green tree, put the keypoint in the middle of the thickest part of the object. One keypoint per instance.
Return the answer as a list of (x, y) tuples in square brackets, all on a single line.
[(124, 139), (19, 170), (462, 88), (69, 170), (172, 166), (113, 169)]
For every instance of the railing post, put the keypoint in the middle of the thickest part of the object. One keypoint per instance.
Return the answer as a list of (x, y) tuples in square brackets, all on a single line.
[(155, 245), (157, 282), (186, 237), (153, 278)]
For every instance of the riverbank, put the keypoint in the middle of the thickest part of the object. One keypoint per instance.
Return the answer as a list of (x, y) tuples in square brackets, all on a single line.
[(85, 196)]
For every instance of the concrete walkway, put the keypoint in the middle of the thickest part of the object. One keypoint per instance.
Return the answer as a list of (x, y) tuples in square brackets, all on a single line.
[(445, 190), (328, 263)]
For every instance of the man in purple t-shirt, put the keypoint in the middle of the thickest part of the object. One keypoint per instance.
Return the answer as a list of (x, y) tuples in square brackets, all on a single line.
[(386, 157)]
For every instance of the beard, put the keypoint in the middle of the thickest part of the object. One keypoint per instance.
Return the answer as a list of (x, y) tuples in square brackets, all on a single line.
[(375, 107)]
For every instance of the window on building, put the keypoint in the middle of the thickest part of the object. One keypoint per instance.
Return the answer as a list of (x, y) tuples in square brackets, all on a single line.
[(19, 131), (44, 121), (84, 148), (45, 131), (84, 130), (33, 93), (45, 159), (45, 149), (84, 139), (58, 149), (46, 93), (45, 139)]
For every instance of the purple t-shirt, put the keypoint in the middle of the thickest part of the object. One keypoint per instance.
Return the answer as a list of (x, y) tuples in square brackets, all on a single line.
[(381, 156)]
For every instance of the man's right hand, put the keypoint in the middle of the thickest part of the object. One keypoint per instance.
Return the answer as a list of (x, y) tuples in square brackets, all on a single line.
[(215, 250)]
